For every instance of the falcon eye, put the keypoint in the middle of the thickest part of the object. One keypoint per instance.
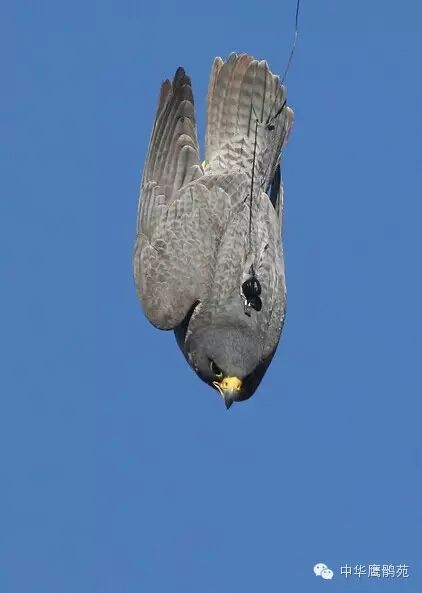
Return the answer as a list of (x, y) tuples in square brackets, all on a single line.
[(216, 371)]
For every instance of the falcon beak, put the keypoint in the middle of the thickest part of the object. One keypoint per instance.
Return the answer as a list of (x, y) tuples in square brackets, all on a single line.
[(229, 388)]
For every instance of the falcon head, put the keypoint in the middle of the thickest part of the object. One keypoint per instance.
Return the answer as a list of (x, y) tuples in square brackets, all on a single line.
[(228, 358)]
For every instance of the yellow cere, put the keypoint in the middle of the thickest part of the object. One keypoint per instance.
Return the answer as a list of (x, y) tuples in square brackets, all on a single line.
[(231, 383)]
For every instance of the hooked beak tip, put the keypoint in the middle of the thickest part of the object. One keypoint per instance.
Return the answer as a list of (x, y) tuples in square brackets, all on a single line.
[(229, 389), (228, 402)]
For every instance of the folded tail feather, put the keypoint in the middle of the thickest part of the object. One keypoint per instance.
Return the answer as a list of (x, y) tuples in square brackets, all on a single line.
[(243, 91)]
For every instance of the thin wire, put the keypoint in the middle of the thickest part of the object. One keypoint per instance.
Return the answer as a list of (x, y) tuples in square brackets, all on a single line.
[(294, 42), (252, 182), (289, 61), (270, 119)]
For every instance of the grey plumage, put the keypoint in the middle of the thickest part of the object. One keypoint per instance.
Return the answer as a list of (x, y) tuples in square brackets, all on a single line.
[(193, 251)]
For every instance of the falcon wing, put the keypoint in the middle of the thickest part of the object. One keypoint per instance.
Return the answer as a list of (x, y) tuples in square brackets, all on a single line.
[(172, 247), (173, 153)]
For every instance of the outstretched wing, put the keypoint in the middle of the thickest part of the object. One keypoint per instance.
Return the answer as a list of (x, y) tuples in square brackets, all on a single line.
[(173, 244)]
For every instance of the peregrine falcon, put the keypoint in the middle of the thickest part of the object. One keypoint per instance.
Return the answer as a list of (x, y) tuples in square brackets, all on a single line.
[(208, 258)]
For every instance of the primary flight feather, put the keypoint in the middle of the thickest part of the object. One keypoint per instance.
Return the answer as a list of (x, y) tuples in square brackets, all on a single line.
[(208, 258)]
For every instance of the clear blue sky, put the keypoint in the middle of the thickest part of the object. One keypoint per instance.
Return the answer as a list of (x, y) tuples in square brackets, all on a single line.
[(121, 471)]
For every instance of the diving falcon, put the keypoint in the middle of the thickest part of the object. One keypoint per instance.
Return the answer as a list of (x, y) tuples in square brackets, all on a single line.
[(208, 259)]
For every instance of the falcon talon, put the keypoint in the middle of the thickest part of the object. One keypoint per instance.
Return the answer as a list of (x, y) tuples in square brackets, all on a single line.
[(256, 303), (247, 308), (252, 303), (251, 287)]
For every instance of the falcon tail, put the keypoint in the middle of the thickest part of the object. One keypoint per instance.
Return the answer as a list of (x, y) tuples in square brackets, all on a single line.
[(243, 91)]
